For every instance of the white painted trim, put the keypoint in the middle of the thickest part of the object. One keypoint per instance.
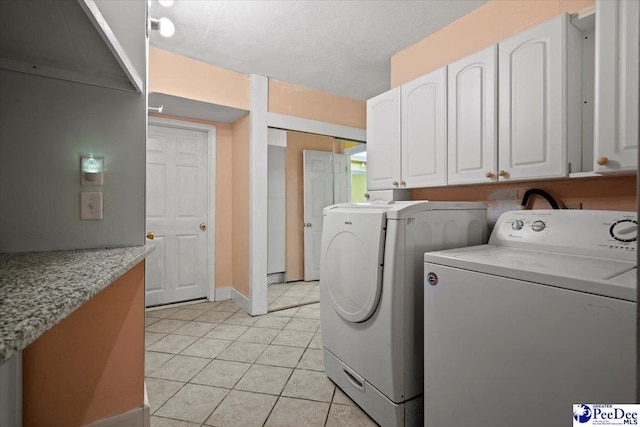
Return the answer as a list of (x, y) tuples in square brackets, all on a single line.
[(211, 214), (242, 301), (146, 407), (222, 294), (11, 391), (258, 177), (102, 27), (277, 137), (282, 121), (132, 418)]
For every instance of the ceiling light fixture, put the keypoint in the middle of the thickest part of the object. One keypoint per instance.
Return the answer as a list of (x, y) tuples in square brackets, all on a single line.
[(166, 3), (163, 25)]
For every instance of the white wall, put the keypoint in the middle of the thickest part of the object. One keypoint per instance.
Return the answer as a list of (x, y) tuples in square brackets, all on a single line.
[(45, 126)]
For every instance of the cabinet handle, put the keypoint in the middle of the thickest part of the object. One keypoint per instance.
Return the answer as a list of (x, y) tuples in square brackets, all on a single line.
[(502, 172), (603, 160), (151, 235), (395, 183), (366, 196), (403, 184), (488, 174)]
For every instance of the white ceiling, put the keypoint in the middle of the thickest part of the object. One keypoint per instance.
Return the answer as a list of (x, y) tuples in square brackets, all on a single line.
[(342, 47)]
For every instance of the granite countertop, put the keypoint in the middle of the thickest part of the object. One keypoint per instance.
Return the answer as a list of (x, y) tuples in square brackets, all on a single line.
[(39, 289)]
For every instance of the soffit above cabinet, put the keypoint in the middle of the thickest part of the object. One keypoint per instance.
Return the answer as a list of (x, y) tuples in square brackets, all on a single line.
[(68, 40)]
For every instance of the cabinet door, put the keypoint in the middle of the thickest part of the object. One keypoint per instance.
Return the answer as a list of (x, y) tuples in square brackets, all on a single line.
[(616, 98), (532, 99), (383, 141), (424, 120), (472, 136)]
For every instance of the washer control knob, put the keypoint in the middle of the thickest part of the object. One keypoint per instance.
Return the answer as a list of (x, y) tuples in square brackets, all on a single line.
[(538, 226), (517, 224)]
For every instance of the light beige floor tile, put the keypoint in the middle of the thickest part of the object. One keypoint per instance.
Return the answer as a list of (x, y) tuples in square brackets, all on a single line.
[(309, 300), (312, 359), (310, 385), (264, 379), (159, 391), (316, 341), (297, 412), (277, 355), (240, 318), (246, 352), (166, 326), (295, 293), (186, 314), (314, 306), (195, 329), (348, 416), (242, 409), (293, 338), (271, 321), (172, 344), (148, 321), (227, 332), (193, 403), (228, 306), (340, 398), (153, 360), (259, 335), (308, 313), (306, 325), (221, 373), (206, 305), (213, 316), (286, 301), (206, 347), (289, 312), (180, 368), (162, 313), (151, 337), (168, 422)]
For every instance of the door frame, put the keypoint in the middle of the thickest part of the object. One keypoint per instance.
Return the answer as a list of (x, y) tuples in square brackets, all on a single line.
[(211, 190)]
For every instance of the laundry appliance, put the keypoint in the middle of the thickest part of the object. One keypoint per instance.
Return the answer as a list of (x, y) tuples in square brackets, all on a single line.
[(540, 319), (371, 296)]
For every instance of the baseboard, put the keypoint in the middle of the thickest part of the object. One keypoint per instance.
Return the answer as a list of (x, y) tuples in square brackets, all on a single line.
[(134, 418), (241, 300), (223, 294)]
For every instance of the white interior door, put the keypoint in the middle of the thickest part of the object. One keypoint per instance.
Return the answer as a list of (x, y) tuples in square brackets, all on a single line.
[(176, 205), (318, 193)]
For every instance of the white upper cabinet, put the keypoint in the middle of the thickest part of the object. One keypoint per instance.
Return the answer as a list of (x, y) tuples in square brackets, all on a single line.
[(424, 133), (383, 141), (472, 133), (539, 101), (616, 92)]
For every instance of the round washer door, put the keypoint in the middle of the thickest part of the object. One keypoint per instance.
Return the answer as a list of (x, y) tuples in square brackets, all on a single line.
[(352, 265)]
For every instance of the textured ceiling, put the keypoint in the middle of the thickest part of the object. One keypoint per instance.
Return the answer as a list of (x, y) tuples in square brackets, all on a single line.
[(341, 47)]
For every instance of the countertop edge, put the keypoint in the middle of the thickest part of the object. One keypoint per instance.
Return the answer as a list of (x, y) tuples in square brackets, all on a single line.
[(32, 302)]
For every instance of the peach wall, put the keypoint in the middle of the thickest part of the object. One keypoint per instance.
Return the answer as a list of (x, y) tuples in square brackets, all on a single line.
[(223, 219), (297, 142), (485, 26), (299, 101), (178, 75), (89, 366), (240, 204), (601, 193)]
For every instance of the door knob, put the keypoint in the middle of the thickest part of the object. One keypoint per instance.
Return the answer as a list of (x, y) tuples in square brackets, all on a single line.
[(488, 174), (603, 160), (203, 227), (366, 196), (307, 224), (395, 183), (150, 235), (403, 184), (502, 172)]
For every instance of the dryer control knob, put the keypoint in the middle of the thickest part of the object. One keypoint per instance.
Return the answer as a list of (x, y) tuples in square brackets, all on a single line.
[(538, 226), (517, 224)]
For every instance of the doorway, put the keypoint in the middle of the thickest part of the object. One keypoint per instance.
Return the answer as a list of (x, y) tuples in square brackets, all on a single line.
[(179, 212)]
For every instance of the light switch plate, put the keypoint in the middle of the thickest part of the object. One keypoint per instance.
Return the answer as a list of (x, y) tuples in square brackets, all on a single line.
[(90, 205)]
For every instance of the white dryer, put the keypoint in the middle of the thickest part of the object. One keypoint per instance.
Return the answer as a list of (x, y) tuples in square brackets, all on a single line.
[(371, 296), (540, 319)]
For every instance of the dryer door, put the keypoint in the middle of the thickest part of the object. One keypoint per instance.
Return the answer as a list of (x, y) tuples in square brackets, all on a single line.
[(352, 256)]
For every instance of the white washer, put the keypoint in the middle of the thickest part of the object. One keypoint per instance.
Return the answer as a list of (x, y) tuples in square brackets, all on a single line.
[(371, 296), (541, 318)]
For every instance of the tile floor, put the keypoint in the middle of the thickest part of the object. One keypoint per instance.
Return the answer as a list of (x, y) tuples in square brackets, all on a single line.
[(211, 364), (292, 294)]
